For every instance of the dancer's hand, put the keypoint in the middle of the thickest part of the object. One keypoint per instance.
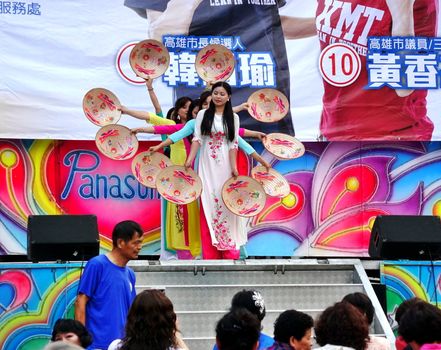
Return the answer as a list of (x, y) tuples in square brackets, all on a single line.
[(154, 148), (187, 164), (266, 165), (260, 135), (243, 106), (135, 131), (254, 134), (122, 108), (234, 173)]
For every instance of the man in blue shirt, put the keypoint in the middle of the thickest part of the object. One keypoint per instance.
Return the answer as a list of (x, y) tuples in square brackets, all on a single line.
[(107, 287)]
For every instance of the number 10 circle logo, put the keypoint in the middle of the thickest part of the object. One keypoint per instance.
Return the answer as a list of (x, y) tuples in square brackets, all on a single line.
[(340, 64)]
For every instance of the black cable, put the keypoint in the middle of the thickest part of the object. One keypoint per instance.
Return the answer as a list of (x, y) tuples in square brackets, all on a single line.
[(432, 265), (81, 271)]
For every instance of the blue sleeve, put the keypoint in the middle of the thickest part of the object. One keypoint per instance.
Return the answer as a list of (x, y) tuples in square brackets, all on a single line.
[(91, 278), (245, 146), (187, 130), (265, 341)]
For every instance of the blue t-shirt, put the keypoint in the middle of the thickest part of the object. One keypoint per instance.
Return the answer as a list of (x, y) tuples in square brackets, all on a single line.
[(111, 290), (265, 341)]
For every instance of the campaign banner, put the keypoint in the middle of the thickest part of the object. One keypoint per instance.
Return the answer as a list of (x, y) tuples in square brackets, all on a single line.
[(351, 70)]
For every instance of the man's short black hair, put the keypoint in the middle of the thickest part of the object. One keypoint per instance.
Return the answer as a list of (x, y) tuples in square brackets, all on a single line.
[(125, 230), (292, 323), (238, 329)]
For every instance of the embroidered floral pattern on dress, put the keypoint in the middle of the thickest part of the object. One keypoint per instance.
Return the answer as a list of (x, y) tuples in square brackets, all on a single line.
[(220, 227), (179, 217), (215, 143)]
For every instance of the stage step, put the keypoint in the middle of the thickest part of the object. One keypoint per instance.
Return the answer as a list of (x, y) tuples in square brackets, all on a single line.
[(201, 291), (276, 296), (243, 277), (199, 343)]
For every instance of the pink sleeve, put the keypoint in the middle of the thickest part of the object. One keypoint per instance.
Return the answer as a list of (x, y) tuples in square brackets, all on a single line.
[(167, 129), (241, 132)]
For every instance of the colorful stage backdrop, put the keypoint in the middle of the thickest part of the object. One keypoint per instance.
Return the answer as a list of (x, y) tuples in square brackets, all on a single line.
[(53, 52), (337, 190), (32, 298), (405, 280)]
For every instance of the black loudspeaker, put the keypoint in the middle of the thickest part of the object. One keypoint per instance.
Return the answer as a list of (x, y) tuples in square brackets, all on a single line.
[(62, 237), (406, 237)]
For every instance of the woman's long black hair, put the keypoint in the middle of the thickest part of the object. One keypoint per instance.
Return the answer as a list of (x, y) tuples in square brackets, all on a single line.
[(227, 118)]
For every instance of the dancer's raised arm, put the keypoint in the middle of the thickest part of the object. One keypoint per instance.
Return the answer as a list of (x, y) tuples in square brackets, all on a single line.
[(153, 97), (144, 129), (135, 114), (254, 134)]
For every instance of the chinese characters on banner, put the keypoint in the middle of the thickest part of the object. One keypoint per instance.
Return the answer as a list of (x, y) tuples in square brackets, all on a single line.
[(253, 69), (403, 62), (20, 8)]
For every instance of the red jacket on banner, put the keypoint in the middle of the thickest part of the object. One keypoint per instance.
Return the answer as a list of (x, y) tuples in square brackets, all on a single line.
[(353, 112)]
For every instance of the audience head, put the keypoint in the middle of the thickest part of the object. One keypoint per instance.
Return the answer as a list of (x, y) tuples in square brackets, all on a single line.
[(238, 329), (151, 322), (180, 110), (421, 324), (342, 324), (251, 300), (71, 331), (294, 328), (362, 302), (404, 306), (61, 345)]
